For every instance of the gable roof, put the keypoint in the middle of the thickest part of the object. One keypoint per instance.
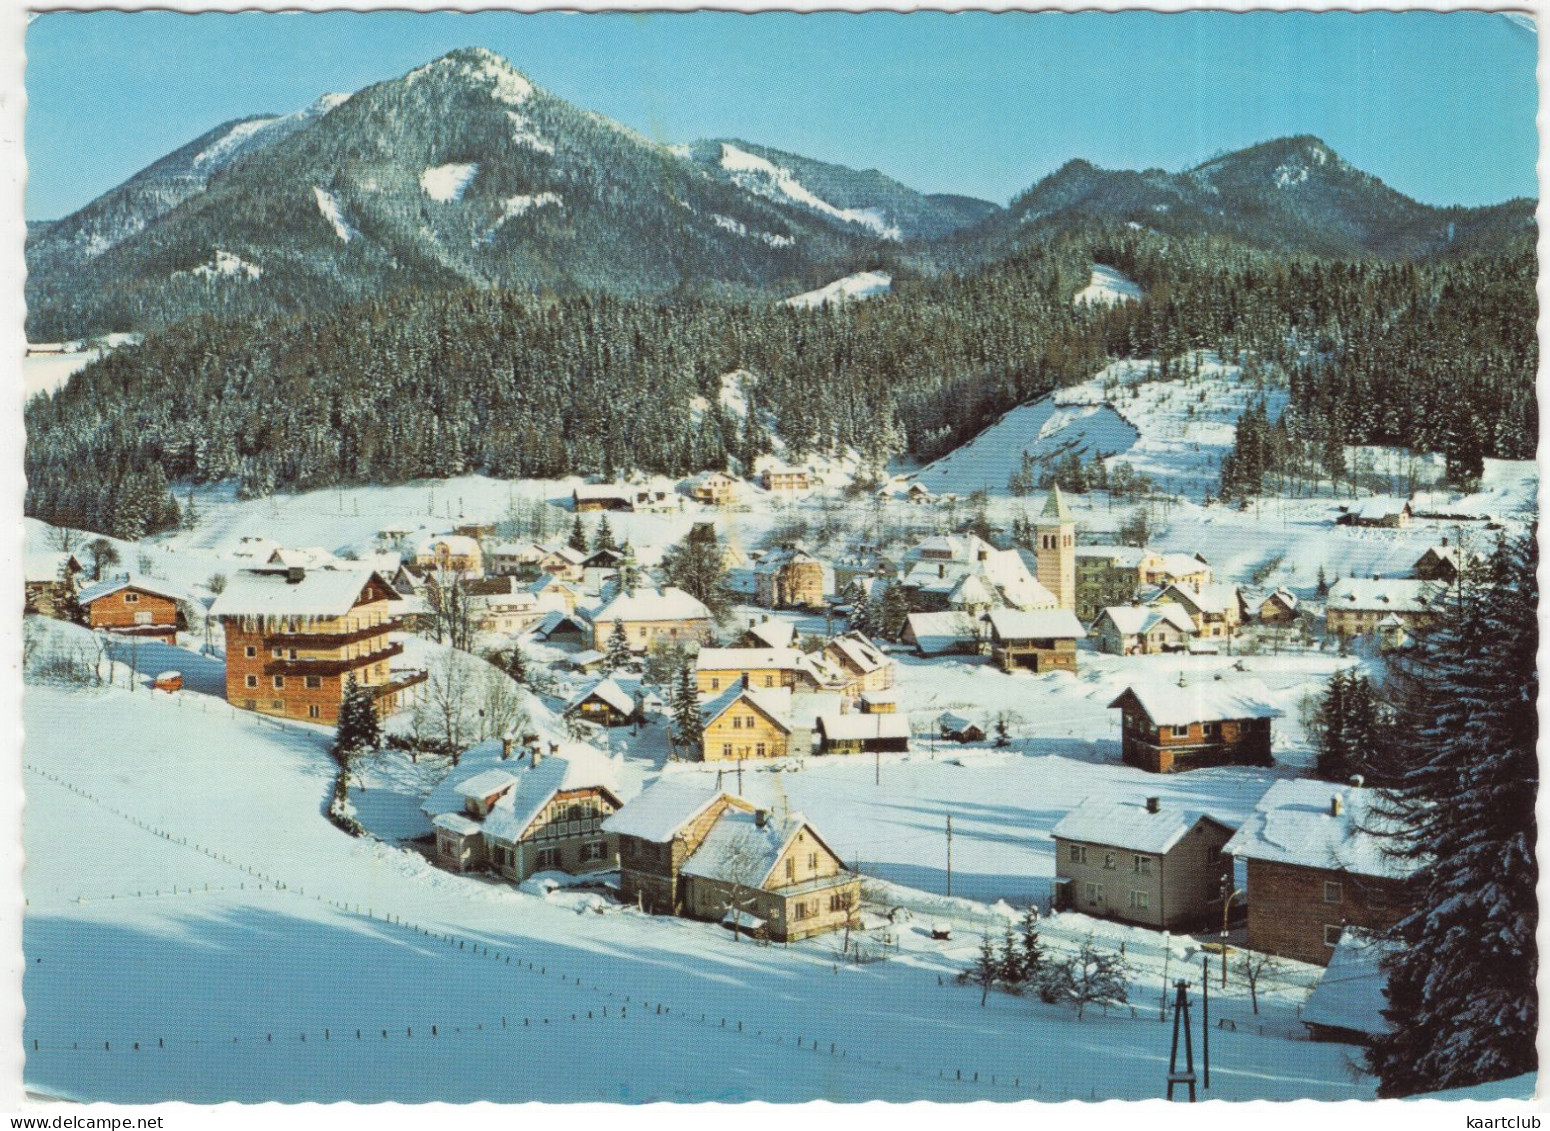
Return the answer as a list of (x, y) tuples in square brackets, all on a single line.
[(742, 659), (1213, 597), (772, 702), (1350, 994), (740, 850), (1137, 620), (1013, 624), (856, 727), (1379, 507), (107, 588), (329, 592), (858, 651), (1129, 557), (1168, 704), (658, 813), (1128, 825), (576, 766), (773, 633), (608, 691), (458, 545), (941, 632), (671, 603), (1395, 595), (39, 566), (1295, 823)]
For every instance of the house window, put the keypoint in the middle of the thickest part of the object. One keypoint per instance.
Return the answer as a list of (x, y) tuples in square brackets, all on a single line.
[(548, 858), (737, 722), (726, 750), (769, 681), (314, 682), (1332, 933), (715, 683), (251, 652), (277, 704), (759, 750), (1140, 900), (277, 653), (1109, 863), (1332, 891), (791, 868), (314, 712), (812, 861), (250, 704), (252, 681), (1211, 730), (1377, 897), (131, 598), (1077, 854), (279, 683), (1142, 865), (1094, 893)]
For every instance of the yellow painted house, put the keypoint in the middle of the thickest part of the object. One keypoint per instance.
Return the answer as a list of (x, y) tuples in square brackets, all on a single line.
[(746, 722)]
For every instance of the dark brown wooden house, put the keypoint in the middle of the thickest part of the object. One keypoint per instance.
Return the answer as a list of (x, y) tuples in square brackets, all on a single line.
[(1190, 724)]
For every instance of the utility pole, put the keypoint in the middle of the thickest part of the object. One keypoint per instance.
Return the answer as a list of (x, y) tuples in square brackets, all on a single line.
[(1205, 1019), (877, 774), (740, 777), (1185, 1075), (949, 854)]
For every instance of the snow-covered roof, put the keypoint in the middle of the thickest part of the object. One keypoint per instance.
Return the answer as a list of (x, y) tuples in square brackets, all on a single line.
[(1168, 704), (316, 593), (457, 823), (743, 659), (1379, 508), (553, 620), (772, 701), (46, 566), (773, 633), (1443, 553), (1395, 595), (309, 557), (671, 603), (859, 651), (596, 492), (132, 581), (1181, 565), (457, 545), (486, 783), (792, 553), (1350, 992), (740, 850), (1128, 825), (942, 632), (857, 727), (1285, 596), (607, 690), (1295, 823), (575, 766), (1127, 556), (1214, 597), (658, 813), (954, 723), (1014, 624), (1137, 620)]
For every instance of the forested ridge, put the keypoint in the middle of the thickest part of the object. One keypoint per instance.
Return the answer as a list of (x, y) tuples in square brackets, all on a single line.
[(516, 385)]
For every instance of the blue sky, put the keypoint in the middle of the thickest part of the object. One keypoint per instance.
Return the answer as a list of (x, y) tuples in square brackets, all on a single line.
[(1441, 106)]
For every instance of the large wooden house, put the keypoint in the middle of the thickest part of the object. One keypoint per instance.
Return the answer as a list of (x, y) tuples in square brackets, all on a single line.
[(648, 615), (657, 832), (1356, 606), (133, 607), (450, 554), (49, 582), (786, 479), (717, 669), (745, 722), (517, 813), (1143, 863), (1318, 863), (1168, 728), (1042, 641), (790, 577), (714, 489), (1442, 562), (620, 497), (295, 636), (688, 850), (1216, 608)]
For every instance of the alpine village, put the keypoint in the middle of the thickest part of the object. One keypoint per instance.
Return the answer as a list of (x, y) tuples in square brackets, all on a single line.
[(610, 596)]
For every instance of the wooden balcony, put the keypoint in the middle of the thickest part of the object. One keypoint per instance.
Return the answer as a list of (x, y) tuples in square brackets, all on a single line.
[(332, 665)]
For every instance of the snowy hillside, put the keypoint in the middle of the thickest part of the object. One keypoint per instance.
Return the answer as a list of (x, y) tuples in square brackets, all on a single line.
[(762, 176), (862, 285), (1107, 287)]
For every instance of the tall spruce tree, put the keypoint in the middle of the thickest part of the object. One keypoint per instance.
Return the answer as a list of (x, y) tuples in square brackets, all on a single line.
[(578, 536), (603, 536), (688, 725), (618, 655), (358, 728), (1463, 1006)]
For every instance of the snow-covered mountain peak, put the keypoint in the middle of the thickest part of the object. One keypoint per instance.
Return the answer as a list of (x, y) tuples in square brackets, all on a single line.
[(481, 67)]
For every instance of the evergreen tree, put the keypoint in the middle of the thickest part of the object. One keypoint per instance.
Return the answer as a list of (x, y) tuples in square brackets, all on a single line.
[(894, 611), (1463, 1005), (603, 536), (358, 728), (1321, 588), (1031, 957), (618, 655), (696, 566), (983, 972), (578, 536), (688, 725), (515, 665), (629, 575)]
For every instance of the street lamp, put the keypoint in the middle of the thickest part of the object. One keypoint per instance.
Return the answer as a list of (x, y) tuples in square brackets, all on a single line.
[(1227, 897)]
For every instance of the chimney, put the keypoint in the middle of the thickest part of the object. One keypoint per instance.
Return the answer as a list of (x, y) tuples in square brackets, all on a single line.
[(761, 817), (538, 753), (1153, 804), (1357, 781), (745, 679), (1335, 806), (294, 574), (1444, 540), (984, 554), (1377, 577), (941, 571)]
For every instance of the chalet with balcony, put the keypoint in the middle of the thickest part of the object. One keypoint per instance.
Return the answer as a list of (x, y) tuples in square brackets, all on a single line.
[(1169, 728), (133, 607), (714, 489), (1142, 862), (657, 832), (295, 636), (515, 813), (1318, 863), (1041, 641), (786, 479)]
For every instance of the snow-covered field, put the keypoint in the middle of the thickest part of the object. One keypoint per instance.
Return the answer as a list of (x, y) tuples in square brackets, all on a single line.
[(1106, 287), (864, 284)]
